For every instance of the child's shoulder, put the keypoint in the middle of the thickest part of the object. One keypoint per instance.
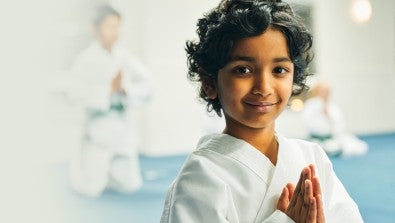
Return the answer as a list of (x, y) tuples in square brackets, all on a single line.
[(213, 148), (205, 164), (218, 142)]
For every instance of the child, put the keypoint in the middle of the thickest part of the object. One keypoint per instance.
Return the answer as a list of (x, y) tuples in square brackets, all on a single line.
[(112, 83), (251, 57), (325, 123)]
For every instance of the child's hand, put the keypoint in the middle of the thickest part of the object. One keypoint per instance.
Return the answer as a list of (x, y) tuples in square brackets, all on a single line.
[(286, 196), (303, 204), (116, 83)]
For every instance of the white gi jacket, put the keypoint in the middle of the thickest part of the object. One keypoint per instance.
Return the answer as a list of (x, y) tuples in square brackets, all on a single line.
[(333, 125), (228, 180), (108, 157), (320, 124), (94, 69)]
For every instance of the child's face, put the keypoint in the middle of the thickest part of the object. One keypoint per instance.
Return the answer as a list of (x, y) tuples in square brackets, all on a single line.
[(108, 30), (256, 83)]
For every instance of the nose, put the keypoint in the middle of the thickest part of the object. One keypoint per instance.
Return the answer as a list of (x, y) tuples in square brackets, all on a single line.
[(262, 84)]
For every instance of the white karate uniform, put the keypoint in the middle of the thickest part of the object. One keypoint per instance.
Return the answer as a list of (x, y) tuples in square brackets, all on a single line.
[(94, 69), (108, 157), (228, 180), (333, 125)]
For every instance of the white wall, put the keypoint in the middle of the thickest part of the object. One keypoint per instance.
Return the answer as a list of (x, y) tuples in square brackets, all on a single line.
[(358, 61)]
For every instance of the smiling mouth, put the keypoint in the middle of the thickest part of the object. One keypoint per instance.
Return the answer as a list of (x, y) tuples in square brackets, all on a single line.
[(261, 106)]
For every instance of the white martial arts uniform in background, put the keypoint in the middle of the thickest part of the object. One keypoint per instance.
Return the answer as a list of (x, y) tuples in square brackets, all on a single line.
[(328, 129), (108, 157), (228, 180)]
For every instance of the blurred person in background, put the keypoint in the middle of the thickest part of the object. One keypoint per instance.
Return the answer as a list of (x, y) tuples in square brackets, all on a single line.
[(111, 84), (325, 123)]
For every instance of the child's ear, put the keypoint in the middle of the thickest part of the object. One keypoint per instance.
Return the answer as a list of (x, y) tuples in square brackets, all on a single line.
[(209, 89)]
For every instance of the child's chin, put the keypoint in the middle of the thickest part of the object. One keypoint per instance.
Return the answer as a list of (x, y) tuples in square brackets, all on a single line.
[(259, 124)]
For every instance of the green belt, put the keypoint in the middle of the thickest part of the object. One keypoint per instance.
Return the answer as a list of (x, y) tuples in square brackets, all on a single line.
[(320, 137)]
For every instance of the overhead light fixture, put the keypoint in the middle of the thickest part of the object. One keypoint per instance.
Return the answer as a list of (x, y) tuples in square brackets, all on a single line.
[(361, 11), (296, 104)]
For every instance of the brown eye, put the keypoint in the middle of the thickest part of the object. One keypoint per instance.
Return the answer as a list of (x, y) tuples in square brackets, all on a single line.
[(279, 70), (242, 70)]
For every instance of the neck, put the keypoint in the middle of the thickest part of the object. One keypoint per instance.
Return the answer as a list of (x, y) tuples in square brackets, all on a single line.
[(107, 47), (262, 139)]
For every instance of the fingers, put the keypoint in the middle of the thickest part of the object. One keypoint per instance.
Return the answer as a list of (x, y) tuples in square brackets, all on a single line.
[(298, 208), (298, 187), (304, 195), (317, 193), (316, 186), (305, 200), (309, 173), (308, 194), (285, 197), (291, 190), (312, 170), (283, 201), (314, 179), (312, 214), (320, 210), (308, 201)]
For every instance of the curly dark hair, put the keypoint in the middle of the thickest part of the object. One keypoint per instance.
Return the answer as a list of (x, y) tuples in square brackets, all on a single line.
[(232, 20)]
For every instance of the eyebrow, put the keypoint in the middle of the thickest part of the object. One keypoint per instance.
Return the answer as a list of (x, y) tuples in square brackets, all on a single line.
[(282, 59), (252, 59), (242, 58)]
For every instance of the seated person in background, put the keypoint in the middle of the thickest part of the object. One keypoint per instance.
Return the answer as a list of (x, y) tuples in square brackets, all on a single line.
[(325, 124)]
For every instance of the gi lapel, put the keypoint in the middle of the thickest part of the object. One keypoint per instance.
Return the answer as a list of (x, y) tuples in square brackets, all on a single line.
[(289, 164)]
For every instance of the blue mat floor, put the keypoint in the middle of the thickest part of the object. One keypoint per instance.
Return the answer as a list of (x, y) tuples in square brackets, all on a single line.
[(369, 180)]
